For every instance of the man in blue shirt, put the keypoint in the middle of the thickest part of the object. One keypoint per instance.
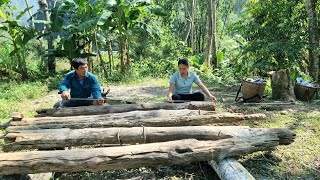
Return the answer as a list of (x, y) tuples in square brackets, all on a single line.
[(82, 84)]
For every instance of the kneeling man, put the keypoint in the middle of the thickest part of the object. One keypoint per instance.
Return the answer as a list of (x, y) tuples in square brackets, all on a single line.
[(78, 85)]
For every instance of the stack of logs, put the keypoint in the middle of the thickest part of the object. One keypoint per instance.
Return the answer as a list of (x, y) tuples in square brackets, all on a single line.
[(101, 138)]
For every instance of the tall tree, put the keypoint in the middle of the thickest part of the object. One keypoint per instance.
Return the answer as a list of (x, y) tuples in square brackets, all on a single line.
[(210, 35), (275, 36), (193, 3), (51, 59), (214, 33), (313, 38)]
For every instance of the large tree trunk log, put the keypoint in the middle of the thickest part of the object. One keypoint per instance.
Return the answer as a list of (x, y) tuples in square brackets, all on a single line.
[(80, 122), (282, 88), (112, 158), (132, 115), (94, 110), (46, 139), (230, 169)]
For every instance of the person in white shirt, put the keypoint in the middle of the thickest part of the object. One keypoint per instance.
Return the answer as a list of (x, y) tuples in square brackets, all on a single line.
[(181, 85)]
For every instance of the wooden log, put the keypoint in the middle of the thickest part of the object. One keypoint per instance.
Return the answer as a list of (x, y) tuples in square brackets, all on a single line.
[(53, 138), (112, 158), (2, 136), (79, 122), (40, 176), (273, 104), (16, 116), (113, 116), (5, 125), (95, 110), (282, 86), (230, 169)]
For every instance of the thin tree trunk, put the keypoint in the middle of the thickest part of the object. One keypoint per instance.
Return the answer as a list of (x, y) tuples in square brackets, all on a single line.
[(88, 49), (214, 34), (193, 2), (209, 40), (188, 30), (100, 57), (21, 62), (51, 59), (112, 158), (122, 54), (110, 56), (203, 32), (31, 18), (128, 62), (313, 39)]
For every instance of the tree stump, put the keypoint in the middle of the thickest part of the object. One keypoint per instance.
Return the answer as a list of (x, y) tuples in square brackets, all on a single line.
[(282, 87)]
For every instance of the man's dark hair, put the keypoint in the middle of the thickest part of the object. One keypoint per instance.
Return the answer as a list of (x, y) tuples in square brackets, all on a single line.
[(183, 61), (76, 62)]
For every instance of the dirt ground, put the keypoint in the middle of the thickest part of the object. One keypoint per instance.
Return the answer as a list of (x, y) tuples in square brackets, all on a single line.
[(138, 93)]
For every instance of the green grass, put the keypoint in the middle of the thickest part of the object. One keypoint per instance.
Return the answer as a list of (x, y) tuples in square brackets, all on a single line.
[(14, 97), (299, 160), (161, 82)]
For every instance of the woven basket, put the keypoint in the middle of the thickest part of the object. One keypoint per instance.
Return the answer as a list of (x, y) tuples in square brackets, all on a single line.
[(304, 93), (251, 89)]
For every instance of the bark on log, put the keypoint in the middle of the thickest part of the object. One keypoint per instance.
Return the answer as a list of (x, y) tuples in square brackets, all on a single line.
[(16, 116), (112, 158), (39, 176), (230, 169), (113, 116), (282, 88), (95, 110), (57, 138), (80, 122)]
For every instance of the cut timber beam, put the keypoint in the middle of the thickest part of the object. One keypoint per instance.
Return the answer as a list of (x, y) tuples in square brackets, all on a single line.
[(230, 169), (94, 110), (112, 158), (112, 116), (80, 122), (53, 138)]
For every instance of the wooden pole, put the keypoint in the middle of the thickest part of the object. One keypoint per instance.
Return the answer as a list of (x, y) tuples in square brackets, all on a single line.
[(57, 138), (230, 169), (95, 110), (112, 158), (80, 122)]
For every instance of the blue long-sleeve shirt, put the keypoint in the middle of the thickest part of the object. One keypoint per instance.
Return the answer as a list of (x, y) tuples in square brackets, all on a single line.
[(87, 87)]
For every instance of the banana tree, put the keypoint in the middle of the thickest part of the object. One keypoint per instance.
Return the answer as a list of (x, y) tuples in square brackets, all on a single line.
[(83, 19), (18, 36), (127, 15)]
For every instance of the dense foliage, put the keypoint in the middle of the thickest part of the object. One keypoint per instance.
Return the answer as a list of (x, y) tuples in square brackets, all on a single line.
[(137, 38)]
